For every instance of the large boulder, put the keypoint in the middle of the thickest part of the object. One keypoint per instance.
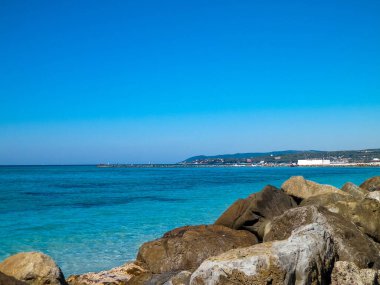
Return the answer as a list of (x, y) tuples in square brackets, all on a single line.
[(350, 243), (371, 184), (300, 188), (364, 213), (347, 273), (115, 276), (185, 248), (327, 199), (306, 257), (33, 268), (354, 190), (254, 212), (7, 280)]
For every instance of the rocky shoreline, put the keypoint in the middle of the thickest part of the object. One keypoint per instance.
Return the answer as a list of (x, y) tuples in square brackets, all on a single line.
[(303, 233)]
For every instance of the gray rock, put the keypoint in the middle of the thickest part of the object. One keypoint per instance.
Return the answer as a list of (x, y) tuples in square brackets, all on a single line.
[(349, 242), (306, 257)]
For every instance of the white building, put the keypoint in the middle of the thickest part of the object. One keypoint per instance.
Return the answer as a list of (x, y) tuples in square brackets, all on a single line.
[(310, 162)]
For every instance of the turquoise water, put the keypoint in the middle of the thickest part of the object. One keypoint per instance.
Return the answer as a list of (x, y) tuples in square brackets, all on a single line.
[(91, 219)]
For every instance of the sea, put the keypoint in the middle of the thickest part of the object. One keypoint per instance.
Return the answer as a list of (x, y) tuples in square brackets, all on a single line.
[(91, 219)]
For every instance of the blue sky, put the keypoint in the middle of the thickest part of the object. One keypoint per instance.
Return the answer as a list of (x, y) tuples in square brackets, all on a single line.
[(158, 81)]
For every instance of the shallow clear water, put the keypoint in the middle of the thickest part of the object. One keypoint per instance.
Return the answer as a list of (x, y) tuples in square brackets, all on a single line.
[(91, 219)]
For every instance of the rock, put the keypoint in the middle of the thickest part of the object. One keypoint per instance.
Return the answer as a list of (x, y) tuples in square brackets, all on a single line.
[(149, 278), (7, 280), (33, 268), (349, 242), (116, 276), (347, 273), (364, 213), (372, 184), (254, 212), (306, 257), (299, 187), (182, 278), (327, 199), (375, 195), (354, 190), (185, 248)]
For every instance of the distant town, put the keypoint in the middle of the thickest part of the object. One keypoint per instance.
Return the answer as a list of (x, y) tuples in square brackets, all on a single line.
[(293, 158), (289, 158)]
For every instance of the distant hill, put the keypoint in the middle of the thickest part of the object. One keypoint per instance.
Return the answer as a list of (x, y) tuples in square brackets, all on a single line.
[(240, 155), (287, 156)]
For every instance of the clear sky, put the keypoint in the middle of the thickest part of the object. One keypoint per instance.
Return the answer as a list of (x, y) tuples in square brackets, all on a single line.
[(158, 81)]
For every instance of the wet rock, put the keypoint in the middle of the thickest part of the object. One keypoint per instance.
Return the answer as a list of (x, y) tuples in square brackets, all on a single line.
[(347, 273), (354, 190), (299, 187), (306, 257), (372, 184), (185, 248), (115, 276), (349, 242), (33, 268), (254, 212)]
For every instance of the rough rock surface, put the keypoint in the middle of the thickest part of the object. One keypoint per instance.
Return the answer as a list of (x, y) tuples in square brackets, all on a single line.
[(182, 278), (185, 248), (306, 257), (347, 273), (327, 199), (349, 242), (254, 212), (371, 184), (7, 280), (354, 190), (299, 187), (33, 268), (375, 195), (365, 214), (149, 278), (116, 276)]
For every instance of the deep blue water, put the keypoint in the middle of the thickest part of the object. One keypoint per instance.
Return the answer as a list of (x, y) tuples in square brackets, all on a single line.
[(91, 219)]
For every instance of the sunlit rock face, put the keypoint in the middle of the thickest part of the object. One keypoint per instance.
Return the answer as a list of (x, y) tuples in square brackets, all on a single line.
[(33, 268)]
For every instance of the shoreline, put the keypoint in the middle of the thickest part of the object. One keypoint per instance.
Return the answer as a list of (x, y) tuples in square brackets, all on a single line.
[(286, 226), (353, 165)]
